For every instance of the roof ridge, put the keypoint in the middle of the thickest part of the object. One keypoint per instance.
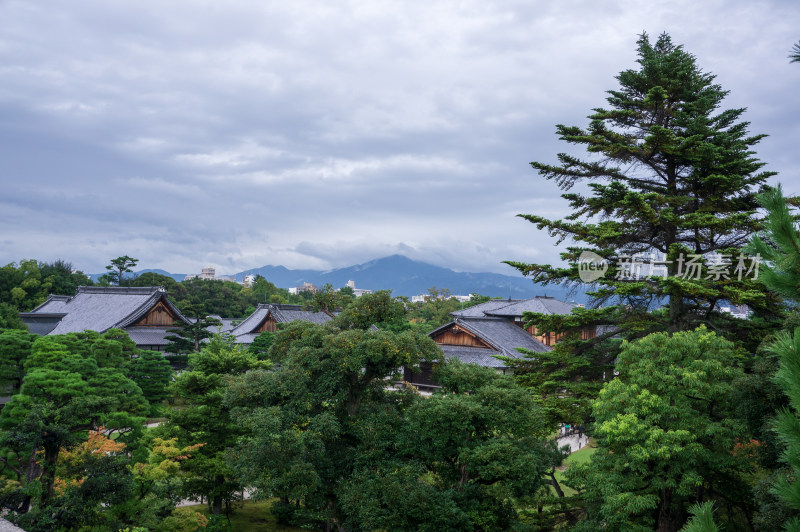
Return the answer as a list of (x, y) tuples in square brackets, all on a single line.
[(136, 290)]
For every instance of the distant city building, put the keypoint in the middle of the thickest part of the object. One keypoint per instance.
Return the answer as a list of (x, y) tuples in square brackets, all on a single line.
[(209, 273), (305, 287), (358, 292), (427, 297), (249, 280), (737, 311)]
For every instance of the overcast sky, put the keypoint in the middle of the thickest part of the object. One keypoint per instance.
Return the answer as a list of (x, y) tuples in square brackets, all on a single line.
[(324, 134)]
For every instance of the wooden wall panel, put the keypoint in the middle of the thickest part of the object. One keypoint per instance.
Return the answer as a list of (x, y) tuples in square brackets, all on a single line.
[(455, 335), (268, 325), (159, 316)]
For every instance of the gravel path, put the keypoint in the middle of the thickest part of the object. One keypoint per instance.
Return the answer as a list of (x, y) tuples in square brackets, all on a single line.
[(574, 441), (5, 526)]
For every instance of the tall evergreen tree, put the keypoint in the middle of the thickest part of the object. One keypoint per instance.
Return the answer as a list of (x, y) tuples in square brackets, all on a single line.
[(672, 178), (779, 244), (680, 179)]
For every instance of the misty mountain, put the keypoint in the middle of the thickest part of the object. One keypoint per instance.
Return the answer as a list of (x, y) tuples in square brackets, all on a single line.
[(406, 277)]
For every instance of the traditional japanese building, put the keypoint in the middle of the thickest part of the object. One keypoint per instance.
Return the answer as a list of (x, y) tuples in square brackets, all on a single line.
[(145, 313), (484, 332), (267, 317)]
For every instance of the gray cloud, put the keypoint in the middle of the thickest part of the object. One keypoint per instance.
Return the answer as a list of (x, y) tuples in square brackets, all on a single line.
[(318, 135)]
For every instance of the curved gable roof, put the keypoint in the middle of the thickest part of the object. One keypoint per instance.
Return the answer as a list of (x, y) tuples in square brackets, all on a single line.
[(281, 314), (102, 308), (502, 335)]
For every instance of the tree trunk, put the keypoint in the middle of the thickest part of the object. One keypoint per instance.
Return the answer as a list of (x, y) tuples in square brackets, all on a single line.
[(670, 517), (49, 471), (216, 504), (555, 483)]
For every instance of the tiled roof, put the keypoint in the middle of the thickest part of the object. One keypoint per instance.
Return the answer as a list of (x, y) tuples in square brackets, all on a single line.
[(479, 311), (473, 355), (246, 330), (501, 334), (101, 308), (54, 304), (515, 307), (148, 335)]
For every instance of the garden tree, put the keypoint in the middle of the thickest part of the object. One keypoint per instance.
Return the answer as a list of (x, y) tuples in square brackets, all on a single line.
[(435, 310), (64, 393), (795, 55), (118, 268), (261, 344), (23, 286), (378, 309), (671, 176), (326, 300), (688, 187), (15, 346), (779, 244), (702, 518), (28, 285), (152, 373), (207, 420), (92, 477), (9, 318), (61, 277), (220, 298), (304, 420), (157, 279), (347, 293), (787, 424), (263, 291), (459, 460), (157, 484), (187, 337), (667, 437)]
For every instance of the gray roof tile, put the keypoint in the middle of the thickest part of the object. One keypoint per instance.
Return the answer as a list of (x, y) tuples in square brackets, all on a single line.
[(501, 334), (101, 308), (245, 332), (513, 308)]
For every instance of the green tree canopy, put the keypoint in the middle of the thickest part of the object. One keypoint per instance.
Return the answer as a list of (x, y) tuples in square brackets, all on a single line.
[(667, 435), (119, 267), (673, 175)]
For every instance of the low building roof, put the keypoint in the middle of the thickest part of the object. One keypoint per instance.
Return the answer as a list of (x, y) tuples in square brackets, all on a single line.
[(247, 329), (502, 335), (102, 308), (474, 355), (513, 308)]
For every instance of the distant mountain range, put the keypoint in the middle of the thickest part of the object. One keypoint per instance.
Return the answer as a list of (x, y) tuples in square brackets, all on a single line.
[(405, 277)]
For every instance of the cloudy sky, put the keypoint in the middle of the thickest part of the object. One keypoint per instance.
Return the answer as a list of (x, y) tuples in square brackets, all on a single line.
[(319, 134)]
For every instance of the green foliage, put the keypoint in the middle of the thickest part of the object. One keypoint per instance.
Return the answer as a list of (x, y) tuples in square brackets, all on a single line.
[(666, 433), (71, 383), (152, 373), (206, 420), (702, 518), (26, 286), (15, 347), (9, 318), (187, 337), (378, 309), (118, 268), (779, 246), (795, 54), (681, 178), (435, 310), (261, 344), (304, 420)]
